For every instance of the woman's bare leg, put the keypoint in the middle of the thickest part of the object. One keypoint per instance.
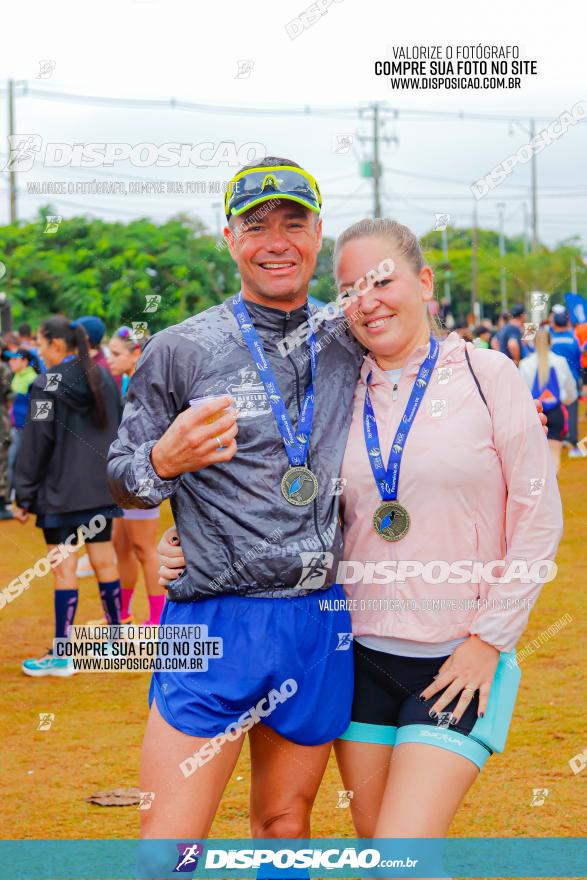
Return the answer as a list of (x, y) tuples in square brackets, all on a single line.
[(424, 790), (64, 574), (364, 768), (142, 535), (128, 564), (103, 560), (555, 451)]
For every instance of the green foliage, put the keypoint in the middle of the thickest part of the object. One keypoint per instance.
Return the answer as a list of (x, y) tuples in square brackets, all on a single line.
[(107, 269), (545, 269)]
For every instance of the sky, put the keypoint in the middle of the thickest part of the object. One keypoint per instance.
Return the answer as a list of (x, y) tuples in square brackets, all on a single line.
[(233, 57)]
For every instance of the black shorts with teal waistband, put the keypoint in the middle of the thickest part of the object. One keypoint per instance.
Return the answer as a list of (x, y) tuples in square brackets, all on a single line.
[(387, 709)]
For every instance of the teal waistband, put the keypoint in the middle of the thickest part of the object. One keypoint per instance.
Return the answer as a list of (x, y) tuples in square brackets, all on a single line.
[(378, 734), (444, 738)]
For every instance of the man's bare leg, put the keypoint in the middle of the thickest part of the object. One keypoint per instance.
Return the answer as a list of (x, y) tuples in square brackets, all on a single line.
[(182, 807), (285, 778)]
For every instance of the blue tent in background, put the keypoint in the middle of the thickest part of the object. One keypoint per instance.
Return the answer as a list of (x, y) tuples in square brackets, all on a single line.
[(577, 306)]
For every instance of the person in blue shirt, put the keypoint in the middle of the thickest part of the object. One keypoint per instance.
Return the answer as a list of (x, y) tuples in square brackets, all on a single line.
[(510, 336), (564, 343), (26, 340), (24, 374)]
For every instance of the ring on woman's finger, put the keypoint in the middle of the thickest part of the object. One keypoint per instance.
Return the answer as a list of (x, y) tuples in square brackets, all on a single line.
[(471, 688), (219, 442)]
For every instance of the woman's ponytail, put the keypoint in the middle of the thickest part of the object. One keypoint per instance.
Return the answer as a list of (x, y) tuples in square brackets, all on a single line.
[(75, 338), (92, 373)]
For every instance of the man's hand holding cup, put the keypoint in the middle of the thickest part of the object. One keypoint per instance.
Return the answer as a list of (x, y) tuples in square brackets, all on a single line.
[(200, 436)]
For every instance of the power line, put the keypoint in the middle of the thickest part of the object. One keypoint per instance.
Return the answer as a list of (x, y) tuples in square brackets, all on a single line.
[(177, 104)]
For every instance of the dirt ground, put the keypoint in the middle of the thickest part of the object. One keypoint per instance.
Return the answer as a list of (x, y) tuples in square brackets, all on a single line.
[(94, 742)]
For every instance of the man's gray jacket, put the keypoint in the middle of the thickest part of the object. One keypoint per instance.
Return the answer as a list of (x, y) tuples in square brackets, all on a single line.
[(237, 532)]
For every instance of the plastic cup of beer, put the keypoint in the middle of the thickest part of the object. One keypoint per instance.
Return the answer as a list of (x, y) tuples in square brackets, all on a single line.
[(200, 401)]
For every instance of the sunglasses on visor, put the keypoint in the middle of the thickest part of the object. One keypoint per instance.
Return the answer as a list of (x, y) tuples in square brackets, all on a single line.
[(256, 185)]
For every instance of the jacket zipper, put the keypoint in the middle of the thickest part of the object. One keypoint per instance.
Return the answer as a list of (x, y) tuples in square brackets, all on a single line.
[(394, 392), (308, 460)]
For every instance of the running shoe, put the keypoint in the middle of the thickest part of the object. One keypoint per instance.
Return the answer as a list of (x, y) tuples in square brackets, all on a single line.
[(575, 452), (49, 665), (84, 567)]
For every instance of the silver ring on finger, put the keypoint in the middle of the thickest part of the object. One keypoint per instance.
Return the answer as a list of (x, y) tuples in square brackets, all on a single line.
[(219, 442)]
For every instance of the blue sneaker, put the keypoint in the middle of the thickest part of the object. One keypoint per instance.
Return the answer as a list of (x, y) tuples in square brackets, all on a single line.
[(49, 665), (575, 452)]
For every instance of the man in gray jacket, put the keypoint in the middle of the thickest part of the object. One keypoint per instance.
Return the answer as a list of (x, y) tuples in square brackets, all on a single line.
[(253, 513)]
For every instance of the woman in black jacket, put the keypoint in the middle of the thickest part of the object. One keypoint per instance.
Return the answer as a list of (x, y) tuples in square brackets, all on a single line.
[(60, 474)]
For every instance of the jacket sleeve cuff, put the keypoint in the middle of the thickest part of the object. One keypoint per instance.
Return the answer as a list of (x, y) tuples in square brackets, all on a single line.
[(148, 487), (498, 640), (501, 628)]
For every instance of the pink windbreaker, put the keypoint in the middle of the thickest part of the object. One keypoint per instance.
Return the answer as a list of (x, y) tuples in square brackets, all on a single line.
[(479, 485)]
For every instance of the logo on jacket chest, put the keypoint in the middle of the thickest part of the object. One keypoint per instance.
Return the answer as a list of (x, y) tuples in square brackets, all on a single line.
[(249, 394)]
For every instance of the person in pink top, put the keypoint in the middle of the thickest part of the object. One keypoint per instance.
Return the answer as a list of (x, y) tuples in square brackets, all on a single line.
[(135, 535), (452, 539), (452, 518)]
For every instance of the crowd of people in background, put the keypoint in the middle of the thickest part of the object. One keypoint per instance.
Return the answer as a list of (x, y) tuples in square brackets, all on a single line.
[(61, 398), (552, 359), (46, 470)]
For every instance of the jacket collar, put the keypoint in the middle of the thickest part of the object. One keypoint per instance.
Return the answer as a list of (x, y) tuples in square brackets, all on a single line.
[(452, 349), (268, 320)]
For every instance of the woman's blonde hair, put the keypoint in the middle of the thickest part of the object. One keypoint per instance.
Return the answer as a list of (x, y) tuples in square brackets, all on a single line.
[(542, 346), (404, 241)]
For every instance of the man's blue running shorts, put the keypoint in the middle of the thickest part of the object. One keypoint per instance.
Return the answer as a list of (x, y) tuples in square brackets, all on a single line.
[(266, 644)]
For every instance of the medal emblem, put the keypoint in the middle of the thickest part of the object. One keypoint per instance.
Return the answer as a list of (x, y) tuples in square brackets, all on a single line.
[(391, 521), (299, 486)]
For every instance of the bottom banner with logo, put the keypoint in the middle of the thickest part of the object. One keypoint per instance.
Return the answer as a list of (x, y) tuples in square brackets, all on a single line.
[(288, 859)]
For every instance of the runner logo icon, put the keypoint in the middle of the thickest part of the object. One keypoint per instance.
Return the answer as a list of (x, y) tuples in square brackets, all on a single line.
[(187, 861)]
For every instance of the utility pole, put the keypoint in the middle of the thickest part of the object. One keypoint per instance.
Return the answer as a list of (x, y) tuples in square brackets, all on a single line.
[(474, 259), (531, 133), (573, 275), (11, 171), (445, 254), (502, 284), (534, 190), (525, 234), (376, 166), (373, 165)]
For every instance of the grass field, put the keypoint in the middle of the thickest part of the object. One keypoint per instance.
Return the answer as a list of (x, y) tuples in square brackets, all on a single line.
[(94, 742)]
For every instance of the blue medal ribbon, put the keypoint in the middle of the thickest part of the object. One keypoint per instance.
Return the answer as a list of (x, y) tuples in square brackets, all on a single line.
[(296, 442), (388, 480)]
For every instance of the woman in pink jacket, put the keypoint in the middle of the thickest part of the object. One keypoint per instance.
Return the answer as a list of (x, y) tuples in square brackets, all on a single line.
[(452, 518)]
